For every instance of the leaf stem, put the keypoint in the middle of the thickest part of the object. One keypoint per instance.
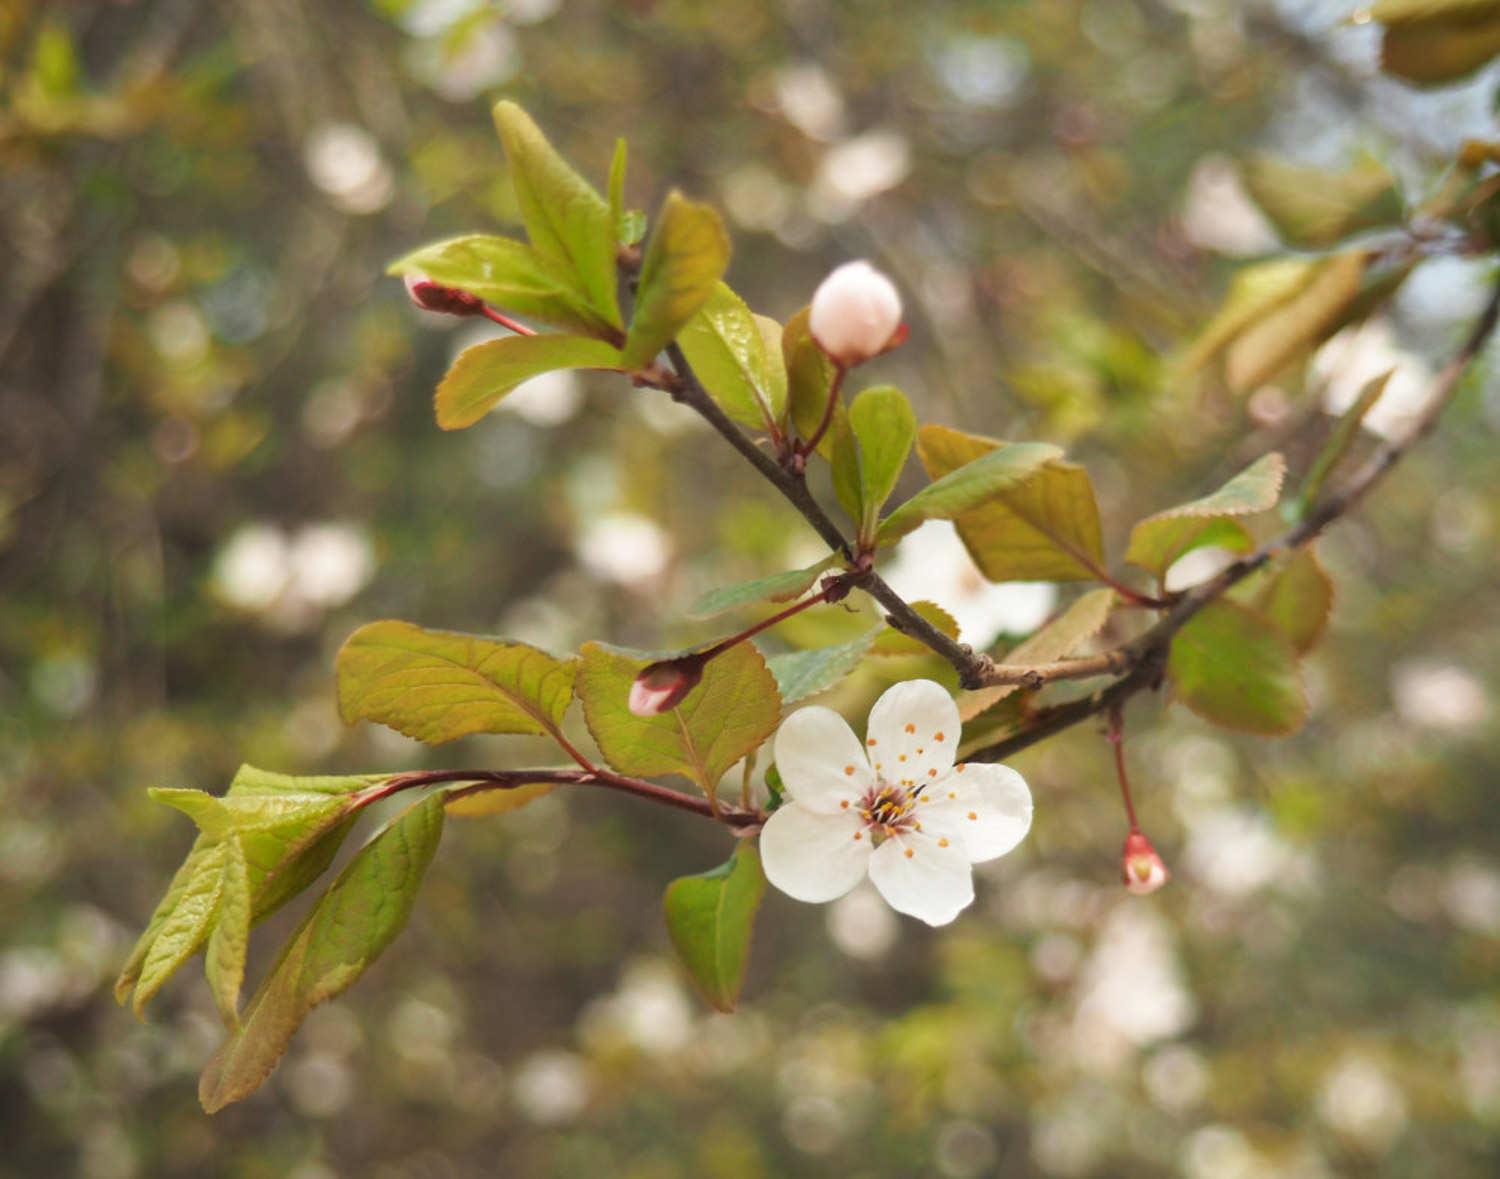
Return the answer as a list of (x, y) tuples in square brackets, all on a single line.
[(505, 321)]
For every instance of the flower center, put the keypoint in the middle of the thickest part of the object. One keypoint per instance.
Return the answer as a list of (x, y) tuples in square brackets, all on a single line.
[(887, 810)]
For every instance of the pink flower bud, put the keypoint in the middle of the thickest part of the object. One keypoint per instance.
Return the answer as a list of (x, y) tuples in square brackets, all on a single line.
[(660, 687), (856, 314), (432, 296), (1141, 867)]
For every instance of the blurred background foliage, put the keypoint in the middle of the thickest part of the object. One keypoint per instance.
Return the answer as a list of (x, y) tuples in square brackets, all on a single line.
[(217, 458)]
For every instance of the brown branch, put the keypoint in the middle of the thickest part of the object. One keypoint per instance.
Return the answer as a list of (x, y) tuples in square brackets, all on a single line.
[(483, 780), (684, 386), (1145, 657)]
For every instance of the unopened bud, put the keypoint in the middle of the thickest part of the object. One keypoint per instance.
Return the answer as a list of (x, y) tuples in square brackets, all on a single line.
[(660, 687), (856, 314), (1142, 867), (434, 296)]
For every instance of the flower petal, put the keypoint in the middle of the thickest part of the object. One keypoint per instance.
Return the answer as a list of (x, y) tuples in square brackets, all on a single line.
[(821, 761), (814, 857), (987, 806), (919, 876), (913, 733)]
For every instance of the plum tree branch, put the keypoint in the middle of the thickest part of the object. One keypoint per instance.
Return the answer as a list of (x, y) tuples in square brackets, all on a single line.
[(1144, 658), (479, 781)]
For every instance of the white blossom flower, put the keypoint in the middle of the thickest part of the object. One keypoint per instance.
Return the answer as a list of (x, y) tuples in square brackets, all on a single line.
[(904, 814), (855, 313)]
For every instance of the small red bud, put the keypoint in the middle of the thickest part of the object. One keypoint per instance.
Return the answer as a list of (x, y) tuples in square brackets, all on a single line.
[(660, 687), (1141, 866), (432, 296)]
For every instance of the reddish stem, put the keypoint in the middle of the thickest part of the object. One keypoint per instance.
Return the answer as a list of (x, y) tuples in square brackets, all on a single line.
[(506, 321), (1116, 737), (803, 449)]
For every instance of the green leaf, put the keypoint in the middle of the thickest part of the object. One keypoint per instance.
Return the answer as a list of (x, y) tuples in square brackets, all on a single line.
[(499, 802), (711, 918), (288, 830), (1337, 446), (734, 708), (436, 685), (1313, 208), (185, 927), (567, 221), (359, 916), (777, 587), (1058, 639), (512, 276), (727, 347), (891, 641), (1045, 529), (486, 372), (1295, 596), (800, 674), (1003, 469), (1160, 539), (686, 256), (224, 960), (884, 428), (1233, 667)]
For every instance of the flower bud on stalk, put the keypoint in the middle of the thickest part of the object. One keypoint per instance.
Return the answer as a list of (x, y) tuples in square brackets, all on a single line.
[(1141, 866), (856, 314), (660, 687), (432, 296)]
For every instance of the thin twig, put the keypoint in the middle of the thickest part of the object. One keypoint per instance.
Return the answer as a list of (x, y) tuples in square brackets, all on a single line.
[(1146, 656), (483, 780)]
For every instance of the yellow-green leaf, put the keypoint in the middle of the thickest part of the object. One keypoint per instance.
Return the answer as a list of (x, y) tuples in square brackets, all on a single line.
[(809, 379), (1290, 331), (1313, 208), (567, 221), (498, 802), (1160, 539), (1295, 595), (185, 927), (1435, 42), (686, 256), (891, 641), (1003, 469), (1233, 667), (711, 918), (436, 685), (359, 916), (512, 276), (224, 960), (727, 347), (1058, 639), (484, 373), (734, 708), (1044, 529)]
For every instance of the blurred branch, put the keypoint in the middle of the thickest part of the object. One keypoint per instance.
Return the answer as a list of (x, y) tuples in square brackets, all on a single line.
[(1145, 657)]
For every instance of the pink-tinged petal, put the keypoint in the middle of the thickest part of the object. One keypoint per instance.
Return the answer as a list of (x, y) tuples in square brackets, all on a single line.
[(913, 733), (821, 762), (919, 876), (814, 857), (988, 806)]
